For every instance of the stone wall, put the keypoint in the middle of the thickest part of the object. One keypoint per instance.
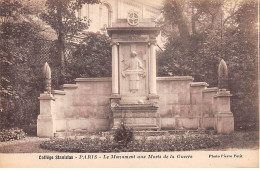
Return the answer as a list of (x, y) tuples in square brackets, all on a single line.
[(84, 105), (174, 99), (183, 104)]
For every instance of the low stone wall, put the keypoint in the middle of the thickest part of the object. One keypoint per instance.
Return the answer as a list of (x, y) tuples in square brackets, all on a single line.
[(82, 106), (174, 99), (86, 105), (183, 104)]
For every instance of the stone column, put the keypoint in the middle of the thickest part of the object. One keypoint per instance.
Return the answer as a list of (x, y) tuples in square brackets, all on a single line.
[(46, 119), (223, 116), (152, 73), (115, 68)]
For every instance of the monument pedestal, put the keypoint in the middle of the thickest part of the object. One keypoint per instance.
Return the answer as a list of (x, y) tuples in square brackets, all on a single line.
[(46, 119), (137, 116), (134, 100), (224, 118)]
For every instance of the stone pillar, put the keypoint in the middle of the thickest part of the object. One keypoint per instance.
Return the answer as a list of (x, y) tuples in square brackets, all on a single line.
[(152, 71), (46, 120), (208, 107), (223, 116), (115, 68), (197, 101)]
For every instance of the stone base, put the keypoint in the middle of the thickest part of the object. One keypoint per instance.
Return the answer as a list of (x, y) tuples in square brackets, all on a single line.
[(225, 123), (136, 116), (83, 124), (45, 126)]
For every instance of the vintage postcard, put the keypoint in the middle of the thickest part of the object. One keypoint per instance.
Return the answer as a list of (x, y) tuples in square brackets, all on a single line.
[(129, 83)]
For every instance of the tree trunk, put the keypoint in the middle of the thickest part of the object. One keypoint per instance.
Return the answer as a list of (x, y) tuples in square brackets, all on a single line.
[(61, 50), (193, 22), (61, 46), (182, 25)]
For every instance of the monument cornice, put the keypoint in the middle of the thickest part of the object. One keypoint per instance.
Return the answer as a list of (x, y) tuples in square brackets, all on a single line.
[(223, 93), (224, 114), (69, 86), (93, 79), (199, 84), (58, 92), (46, 96), (122, 30), (152, 42), (176, 78), (212, 89), (115, 43)]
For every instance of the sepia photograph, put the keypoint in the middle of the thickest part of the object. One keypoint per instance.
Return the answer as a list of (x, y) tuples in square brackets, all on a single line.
[(129, 83)]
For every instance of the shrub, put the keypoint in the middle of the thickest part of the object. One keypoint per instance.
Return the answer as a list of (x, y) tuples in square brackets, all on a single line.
[(11, 134), (185, 142), (123, 135)]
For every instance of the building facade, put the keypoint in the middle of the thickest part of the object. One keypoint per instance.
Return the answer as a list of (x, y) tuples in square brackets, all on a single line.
[(108, 11)]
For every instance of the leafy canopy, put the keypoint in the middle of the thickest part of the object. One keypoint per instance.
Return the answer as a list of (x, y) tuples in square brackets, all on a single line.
[(61, 15)]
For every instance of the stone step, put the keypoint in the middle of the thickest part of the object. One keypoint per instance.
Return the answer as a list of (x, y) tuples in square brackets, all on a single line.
[(71, 133), (146, 128), (149, 133), (140, 127), (142, 130)]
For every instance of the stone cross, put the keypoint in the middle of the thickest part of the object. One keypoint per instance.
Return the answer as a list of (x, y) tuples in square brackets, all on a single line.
[(47, 77)]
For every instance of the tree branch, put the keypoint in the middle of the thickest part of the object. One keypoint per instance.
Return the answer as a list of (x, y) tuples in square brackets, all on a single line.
[(229, 17)]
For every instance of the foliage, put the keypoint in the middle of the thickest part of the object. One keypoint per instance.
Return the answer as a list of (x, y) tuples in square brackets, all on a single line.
[(61, 16), (30, 130), (11, 134), (184, 142), (16, 46), (242, 42), (24, 49), (210, 37), (65, 10), (123, 135), (90, 58)]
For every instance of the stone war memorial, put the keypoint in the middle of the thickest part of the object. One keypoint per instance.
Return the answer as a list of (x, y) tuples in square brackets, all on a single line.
[(134, 95)]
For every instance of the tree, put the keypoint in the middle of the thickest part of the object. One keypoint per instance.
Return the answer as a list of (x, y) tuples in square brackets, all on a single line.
[(241, 45), (189, 18), (173, 8), (91, 58), (24, 49), (16, 40), (217, 30), (61, 16)]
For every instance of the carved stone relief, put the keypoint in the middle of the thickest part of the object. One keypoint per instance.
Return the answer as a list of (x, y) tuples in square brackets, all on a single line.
[(134, 70)]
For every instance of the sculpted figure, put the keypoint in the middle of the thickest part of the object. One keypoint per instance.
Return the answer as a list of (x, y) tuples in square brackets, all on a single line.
[(134, 69)]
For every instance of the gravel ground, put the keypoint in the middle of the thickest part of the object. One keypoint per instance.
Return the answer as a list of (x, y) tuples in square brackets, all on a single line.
[(26, 145)]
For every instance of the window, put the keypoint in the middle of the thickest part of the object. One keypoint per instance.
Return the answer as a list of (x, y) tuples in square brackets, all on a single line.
[(106, 15)]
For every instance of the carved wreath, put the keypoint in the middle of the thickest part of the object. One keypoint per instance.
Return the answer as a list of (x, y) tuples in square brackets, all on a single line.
[(133, 18)]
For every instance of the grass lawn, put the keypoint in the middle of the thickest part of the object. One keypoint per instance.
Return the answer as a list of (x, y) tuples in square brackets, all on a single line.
[(27, 145), (235, 141), (238, 140)]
